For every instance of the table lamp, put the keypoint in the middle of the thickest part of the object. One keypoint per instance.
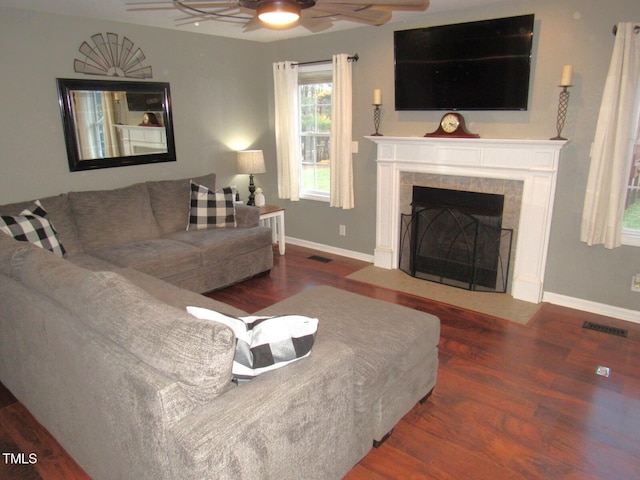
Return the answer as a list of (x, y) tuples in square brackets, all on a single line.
[(251, 162)]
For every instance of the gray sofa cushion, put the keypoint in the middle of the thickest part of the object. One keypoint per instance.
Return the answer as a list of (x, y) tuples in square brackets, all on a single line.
[(197, 354), (247, 216), (175, 296), (170, 201), (9, 247), (114, 217), (59, 214), (224, 243), (159, 257)]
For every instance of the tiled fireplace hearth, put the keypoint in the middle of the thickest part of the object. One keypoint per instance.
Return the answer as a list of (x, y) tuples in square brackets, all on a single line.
[(532, 162)]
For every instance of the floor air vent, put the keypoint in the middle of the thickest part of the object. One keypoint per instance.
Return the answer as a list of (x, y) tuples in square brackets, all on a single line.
[(318, 258), (619, 332)]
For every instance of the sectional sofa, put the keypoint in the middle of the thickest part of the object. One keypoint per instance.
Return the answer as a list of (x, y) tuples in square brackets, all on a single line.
[(144, 227), (99, 347)]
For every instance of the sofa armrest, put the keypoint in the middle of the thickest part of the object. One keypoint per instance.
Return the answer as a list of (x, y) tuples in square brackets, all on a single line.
[(291, 423), (247, 216)]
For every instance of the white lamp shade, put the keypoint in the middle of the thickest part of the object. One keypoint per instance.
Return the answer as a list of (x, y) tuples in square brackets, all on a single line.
[(251, 161)]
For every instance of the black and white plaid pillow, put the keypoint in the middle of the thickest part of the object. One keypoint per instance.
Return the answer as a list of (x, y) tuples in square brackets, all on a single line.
[(32, 226), (265, 343), (211, 209)]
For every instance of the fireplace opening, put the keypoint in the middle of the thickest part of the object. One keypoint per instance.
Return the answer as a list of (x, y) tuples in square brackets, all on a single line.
[(456, 238)]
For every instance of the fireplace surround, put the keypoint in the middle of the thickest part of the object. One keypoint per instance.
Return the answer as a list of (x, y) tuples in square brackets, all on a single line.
[(533, 162)]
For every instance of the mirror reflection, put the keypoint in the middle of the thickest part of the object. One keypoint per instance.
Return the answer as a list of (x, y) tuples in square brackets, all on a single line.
[(110, 123)]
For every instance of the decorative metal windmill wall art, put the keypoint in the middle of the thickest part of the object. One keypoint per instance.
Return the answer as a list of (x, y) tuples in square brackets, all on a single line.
[(112, 58)]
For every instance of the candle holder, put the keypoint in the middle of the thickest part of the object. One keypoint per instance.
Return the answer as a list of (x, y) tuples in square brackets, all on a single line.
[(563, 105), (376, 120)]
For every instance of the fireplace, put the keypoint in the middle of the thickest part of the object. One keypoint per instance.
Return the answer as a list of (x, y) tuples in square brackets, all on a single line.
[(456, 238), (534, 163)]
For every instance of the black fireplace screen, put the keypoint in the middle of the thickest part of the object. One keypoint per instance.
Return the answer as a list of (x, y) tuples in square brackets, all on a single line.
[(461, 245)]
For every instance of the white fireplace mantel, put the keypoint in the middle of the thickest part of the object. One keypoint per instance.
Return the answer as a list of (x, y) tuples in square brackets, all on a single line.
[(534, 162)]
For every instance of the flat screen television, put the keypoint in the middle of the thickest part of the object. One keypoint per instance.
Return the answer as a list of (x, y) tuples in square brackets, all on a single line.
[(482, 65), (145, 102)]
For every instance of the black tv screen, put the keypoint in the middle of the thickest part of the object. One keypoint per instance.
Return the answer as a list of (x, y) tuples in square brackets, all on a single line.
[(481, 65), (145, 102)]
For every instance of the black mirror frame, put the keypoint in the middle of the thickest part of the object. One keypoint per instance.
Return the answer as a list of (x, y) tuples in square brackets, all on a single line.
[(67, 85)]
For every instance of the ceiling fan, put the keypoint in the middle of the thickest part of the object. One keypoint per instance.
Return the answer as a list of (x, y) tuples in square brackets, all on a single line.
[(314, 15)]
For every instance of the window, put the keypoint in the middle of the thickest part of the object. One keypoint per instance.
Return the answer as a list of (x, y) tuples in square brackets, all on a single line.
[(99, 123), (314, 91), (615, 135), (89, 113), (631, 219)]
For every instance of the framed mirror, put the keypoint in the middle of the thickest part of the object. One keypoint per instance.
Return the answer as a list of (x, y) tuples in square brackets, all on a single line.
[(110, 123)]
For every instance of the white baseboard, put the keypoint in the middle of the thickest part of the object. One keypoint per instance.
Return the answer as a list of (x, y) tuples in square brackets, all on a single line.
[(329, 249), (592, 307)]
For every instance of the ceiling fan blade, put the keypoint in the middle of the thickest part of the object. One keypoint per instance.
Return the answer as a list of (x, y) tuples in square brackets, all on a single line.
[(313, 23), (191, 19), (366, 15), (199, 4), (386, 4), (402, 8), (253, 24), (170, 5), (139, 4), (141, 8)]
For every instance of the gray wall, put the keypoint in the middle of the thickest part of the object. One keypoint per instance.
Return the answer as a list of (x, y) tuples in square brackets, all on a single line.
[(217, 103), (222, 99), (574, 32)]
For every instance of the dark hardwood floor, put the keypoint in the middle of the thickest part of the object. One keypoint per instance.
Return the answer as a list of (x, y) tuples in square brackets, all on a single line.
[(511, 401)]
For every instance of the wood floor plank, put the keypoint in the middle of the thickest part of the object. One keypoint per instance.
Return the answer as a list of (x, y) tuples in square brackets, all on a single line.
[(39, 449), (512, 402), (6, 397)]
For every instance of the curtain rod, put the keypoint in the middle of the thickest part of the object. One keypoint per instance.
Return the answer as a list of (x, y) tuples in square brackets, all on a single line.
[(353, 58), (636, 29)]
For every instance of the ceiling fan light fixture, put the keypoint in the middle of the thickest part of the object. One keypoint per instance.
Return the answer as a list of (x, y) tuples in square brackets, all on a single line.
[(278, 12)]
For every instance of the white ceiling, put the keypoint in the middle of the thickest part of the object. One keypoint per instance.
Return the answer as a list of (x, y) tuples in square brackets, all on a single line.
[(119, 10)]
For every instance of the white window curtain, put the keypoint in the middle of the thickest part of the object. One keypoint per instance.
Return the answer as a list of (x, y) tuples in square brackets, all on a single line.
[(341, 134), (111, 147), (285, 80), (96, 135), (88, 142), (612, 146)]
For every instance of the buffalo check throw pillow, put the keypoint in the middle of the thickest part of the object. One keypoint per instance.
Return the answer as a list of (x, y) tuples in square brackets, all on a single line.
[(264, 343), (32, 226), (211, 208)]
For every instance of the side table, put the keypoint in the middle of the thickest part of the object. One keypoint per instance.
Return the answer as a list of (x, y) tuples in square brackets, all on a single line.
[(268, 214)]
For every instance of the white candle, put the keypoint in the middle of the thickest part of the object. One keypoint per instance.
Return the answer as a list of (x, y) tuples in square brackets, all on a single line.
[(377, 97), (567, 73)]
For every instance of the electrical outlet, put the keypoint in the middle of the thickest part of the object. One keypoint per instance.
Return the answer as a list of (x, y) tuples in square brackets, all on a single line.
[(342, 231), (635, 283)]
